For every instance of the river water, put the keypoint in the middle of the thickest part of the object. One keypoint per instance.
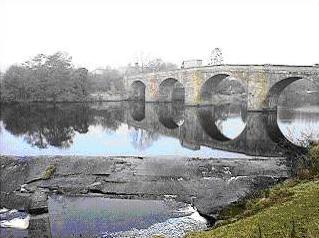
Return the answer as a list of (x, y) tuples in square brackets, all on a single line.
[(111, 129)]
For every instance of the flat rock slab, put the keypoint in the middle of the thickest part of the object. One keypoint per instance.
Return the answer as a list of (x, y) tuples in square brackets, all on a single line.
[(209, 184)]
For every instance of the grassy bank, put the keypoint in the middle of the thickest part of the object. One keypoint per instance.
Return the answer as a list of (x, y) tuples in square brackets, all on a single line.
[(290, 209), (287, 210)]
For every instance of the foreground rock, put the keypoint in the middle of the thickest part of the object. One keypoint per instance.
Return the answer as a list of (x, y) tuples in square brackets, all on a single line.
[(209, 184)]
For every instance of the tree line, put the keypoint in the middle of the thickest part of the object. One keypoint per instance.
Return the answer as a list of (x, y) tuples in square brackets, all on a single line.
[(53, 78)]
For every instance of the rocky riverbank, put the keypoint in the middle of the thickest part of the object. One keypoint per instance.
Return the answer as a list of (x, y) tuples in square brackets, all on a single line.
[(207, 184)]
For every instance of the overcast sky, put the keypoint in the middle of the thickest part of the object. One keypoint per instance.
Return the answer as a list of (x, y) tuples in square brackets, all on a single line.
[(113, 32)]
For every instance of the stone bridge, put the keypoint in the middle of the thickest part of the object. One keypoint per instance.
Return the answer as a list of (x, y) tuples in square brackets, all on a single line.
[(197, 126), (263, 84)]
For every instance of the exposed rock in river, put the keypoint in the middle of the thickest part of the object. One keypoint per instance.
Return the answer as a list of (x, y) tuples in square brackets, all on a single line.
[(208, 184)]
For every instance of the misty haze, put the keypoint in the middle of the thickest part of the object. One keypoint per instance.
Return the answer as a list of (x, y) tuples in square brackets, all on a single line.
[(159, 118)]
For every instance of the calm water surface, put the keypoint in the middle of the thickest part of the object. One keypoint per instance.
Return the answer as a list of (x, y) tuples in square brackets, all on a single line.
[(150, 129), (104, 217)]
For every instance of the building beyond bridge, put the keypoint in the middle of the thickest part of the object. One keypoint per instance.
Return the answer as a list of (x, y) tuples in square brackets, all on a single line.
[(263, 84)]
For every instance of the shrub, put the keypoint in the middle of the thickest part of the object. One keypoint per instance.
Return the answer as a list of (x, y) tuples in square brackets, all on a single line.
[(49, 171), (313, 156), (307, 166)]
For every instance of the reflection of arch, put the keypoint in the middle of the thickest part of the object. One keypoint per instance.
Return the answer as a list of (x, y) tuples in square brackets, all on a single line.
[(276, 135), (171, 90), (211, 86), (171, 115), (208, 116), (275, 91), (229, 109), (137, 91), (137, 110), (244, 112)]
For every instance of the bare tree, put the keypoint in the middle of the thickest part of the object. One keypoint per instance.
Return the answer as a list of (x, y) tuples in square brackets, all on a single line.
[(216, 57), (141, 60), (143, 63)]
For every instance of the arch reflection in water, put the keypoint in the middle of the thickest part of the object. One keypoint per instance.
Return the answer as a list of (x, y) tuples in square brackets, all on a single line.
[(137, 110), (299, 125), (171, 115), (200, 128), (223, 122)]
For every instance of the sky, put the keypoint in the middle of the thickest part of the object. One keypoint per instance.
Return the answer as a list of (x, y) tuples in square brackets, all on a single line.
[(97, 33)]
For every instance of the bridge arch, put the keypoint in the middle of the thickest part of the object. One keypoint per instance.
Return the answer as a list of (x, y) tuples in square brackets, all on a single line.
[(137, 91), (171, 90), (275, 91), (212, 86)]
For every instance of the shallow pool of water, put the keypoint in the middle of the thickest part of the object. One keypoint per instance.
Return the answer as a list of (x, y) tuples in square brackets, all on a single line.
[(104, 217)]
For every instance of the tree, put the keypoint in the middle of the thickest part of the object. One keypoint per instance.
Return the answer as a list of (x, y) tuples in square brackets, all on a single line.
[(59, 71), (141, 60), (1, 77), (216, 57), (15, 83), (157, 65), (108, 80), (145, 64), (80, 82), (45, 78)]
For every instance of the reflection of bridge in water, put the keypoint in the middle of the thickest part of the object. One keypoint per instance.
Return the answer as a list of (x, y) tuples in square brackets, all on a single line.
[(255, 133), (196, 126)]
